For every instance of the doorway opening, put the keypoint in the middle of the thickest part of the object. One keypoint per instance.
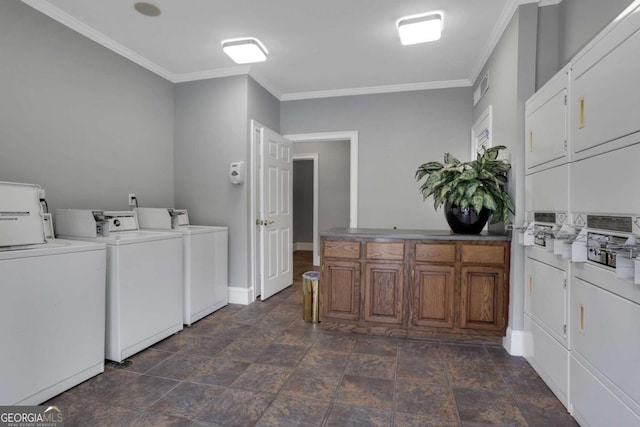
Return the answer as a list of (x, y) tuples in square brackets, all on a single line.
[(254, 192), (350, 137), (305, 202)]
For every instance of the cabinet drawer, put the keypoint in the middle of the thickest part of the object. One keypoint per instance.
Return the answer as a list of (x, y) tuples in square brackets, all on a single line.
[(484, 254), (385, 250), (435, 252), (342, 249)]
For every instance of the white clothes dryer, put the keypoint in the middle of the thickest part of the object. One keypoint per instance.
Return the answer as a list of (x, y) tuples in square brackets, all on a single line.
[(205, 252), (52, 304), (144, 277)]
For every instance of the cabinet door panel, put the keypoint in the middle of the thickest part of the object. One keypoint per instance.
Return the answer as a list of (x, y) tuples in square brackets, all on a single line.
[(483, 295), (341, 290), (383, 294), (432, 296)]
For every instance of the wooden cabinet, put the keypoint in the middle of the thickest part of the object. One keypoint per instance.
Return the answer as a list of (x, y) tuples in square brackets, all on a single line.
[(432, 296), (482, 293), (383, 293), (415, 287), (340, 290)]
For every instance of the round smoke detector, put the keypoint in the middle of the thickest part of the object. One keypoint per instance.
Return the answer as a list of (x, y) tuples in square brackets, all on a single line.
[(147, 9)]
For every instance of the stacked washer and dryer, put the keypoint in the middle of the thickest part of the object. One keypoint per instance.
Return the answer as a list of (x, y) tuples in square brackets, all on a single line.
[(144, 277), (582, 298), (204, 256), (52, 303)]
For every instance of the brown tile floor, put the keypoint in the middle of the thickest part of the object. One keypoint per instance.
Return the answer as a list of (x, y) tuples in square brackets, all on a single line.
[(262, 365)]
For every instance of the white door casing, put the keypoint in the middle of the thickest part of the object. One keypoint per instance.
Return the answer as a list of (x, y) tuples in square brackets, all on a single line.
[(316, 177), (275, 212), (352, 137)]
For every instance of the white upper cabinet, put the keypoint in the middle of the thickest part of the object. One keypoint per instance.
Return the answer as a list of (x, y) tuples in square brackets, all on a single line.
[(605, 94), (546, 124)]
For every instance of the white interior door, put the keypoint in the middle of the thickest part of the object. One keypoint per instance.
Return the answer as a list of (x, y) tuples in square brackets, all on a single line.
[(275, 218)]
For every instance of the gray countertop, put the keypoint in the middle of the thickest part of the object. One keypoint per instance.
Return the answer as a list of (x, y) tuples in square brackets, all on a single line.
[(386, 233)]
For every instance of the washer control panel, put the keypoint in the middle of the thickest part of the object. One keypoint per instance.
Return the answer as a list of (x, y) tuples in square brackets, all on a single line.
[(122, 221)]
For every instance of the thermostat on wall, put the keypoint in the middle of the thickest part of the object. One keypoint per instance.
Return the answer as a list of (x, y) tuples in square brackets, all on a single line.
[(236, 172)]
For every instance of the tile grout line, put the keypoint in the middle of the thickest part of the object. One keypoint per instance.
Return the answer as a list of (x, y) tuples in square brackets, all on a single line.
[(509, 388), (449, 382)]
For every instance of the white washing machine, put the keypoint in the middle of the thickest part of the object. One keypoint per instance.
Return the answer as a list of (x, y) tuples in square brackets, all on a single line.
[(205, 251), (144, 277), (52, 304)]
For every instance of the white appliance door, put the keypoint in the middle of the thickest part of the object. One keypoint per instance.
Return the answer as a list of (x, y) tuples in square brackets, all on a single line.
[(276, 229), (21, 221)]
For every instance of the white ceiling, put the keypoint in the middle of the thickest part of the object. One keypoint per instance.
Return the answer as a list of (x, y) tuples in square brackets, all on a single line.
[(316, 48)]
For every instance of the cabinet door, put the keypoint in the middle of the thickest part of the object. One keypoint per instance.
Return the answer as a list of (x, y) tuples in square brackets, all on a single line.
[(432, 296), (383, 294), (340, 287), (483, 296)]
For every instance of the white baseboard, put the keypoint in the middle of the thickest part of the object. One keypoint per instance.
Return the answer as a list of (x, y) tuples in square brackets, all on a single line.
[(238, 295), (300, 246), (514, 342)]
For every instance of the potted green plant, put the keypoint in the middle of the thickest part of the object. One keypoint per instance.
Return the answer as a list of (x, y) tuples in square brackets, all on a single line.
[(472, 192)]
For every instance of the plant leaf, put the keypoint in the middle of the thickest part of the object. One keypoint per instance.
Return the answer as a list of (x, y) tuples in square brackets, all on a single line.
[(478, 200)]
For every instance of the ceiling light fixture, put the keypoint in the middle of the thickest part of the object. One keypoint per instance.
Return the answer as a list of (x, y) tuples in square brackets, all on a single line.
[(245, 50), (414, 29), (147, 9)]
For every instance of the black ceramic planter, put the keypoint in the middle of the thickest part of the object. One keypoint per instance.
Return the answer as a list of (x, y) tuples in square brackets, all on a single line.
[(467, 220)]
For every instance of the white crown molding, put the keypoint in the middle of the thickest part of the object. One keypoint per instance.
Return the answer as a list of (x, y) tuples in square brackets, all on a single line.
[(266, 84), (376, 89), (549, 2), (210, 74), (71, 22), (64, 18), (503, 21)]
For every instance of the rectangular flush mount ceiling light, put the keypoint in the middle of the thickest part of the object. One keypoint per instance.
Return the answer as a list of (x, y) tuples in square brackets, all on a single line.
[(426, 27), (245, 50)]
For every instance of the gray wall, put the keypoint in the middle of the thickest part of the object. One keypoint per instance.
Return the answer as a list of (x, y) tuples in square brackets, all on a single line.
[(566, 28), (210, 133), (78, 119), (334, 163), (581, 20), (512, 70), (303, 201), (548, 46), (262, 106), (397, 132)]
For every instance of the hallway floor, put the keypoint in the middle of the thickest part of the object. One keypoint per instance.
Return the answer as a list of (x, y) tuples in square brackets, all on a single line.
[(262, 365)]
